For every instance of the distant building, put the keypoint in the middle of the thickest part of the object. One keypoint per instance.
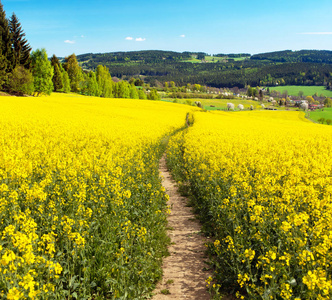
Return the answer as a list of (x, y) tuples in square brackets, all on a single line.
[(315, 106)]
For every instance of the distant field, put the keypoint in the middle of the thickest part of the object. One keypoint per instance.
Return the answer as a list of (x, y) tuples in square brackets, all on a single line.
[(211, 59), (326, 114), (307, 90), (222, 103), (214, 59), (241, 58), (215, 104)]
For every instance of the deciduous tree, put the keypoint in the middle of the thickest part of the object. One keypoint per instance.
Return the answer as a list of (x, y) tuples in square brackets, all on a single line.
[(328, 102), (133, 92), (153, 95), (310, 99), (105, 82), (142, 95), (74, 72), (123, 89), (300, 94), (42, 72), (91, 86), (65, 80), (21, 81)]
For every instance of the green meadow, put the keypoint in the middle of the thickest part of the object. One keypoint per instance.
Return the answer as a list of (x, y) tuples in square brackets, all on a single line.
[(218, 104), (293, 90), (326, 113), (214, 59)]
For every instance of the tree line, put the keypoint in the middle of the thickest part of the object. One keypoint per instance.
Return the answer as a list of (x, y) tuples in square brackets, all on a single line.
[(69, 76), (23, 71), (314, 56)]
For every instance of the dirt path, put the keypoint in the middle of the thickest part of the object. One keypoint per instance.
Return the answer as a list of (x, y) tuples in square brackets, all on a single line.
[(184, 275)]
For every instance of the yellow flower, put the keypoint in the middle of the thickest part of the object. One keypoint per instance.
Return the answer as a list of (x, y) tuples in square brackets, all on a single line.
[(14, 294)]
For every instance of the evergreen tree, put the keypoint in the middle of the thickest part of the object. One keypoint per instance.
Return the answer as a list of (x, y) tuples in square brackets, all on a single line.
[(42, 72), (21, 47), (6, 53), (55, 61), (74, 72), (57, 79), (57, 75)]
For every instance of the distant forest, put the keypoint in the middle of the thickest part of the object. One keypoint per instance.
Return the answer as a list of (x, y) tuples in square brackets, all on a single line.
[(305, 67)]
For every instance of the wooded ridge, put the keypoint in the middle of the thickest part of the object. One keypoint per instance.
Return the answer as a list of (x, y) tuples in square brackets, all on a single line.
[(305, 67)]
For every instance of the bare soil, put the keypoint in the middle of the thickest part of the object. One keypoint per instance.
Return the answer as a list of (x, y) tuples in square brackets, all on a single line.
[(185, 269)]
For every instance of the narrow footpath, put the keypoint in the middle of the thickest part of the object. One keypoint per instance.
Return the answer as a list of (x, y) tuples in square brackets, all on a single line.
[(184, 270)]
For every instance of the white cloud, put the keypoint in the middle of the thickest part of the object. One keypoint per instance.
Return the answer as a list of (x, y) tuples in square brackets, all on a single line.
[(182, 35), (318, 33), (69, 42), (140, 39), (129, 38), (82, 36)]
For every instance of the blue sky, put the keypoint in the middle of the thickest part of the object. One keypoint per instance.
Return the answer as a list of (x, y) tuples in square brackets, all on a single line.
[(70, 26)]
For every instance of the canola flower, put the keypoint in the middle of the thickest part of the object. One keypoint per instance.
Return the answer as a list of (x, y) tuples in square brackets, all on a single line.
[(262, 183), (79, 192)]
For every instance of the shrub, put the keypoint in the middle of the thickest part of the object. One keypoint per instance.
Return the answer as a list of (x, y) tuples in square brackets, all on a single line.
[(321, 120), (21, 81)]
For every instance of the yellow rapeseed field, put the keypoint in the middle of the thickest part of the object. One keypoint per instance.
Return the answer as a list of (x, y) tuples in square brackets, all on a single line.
[(262, 182), (82, 209)]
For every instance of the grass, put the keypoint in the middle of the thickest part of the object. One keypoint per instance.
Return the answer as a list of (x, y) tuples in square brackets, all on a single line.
[(165, 292), (293, 90), (218, 104), (208, 58), (170, 281), (240, 58), (222, 103), (316, 115)]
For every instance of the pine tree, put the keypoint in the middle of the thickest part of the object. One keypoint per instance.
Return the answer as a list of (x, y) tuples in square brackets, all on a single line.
[(21, 47), (55, 60), (57, 79), (6, 53)]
